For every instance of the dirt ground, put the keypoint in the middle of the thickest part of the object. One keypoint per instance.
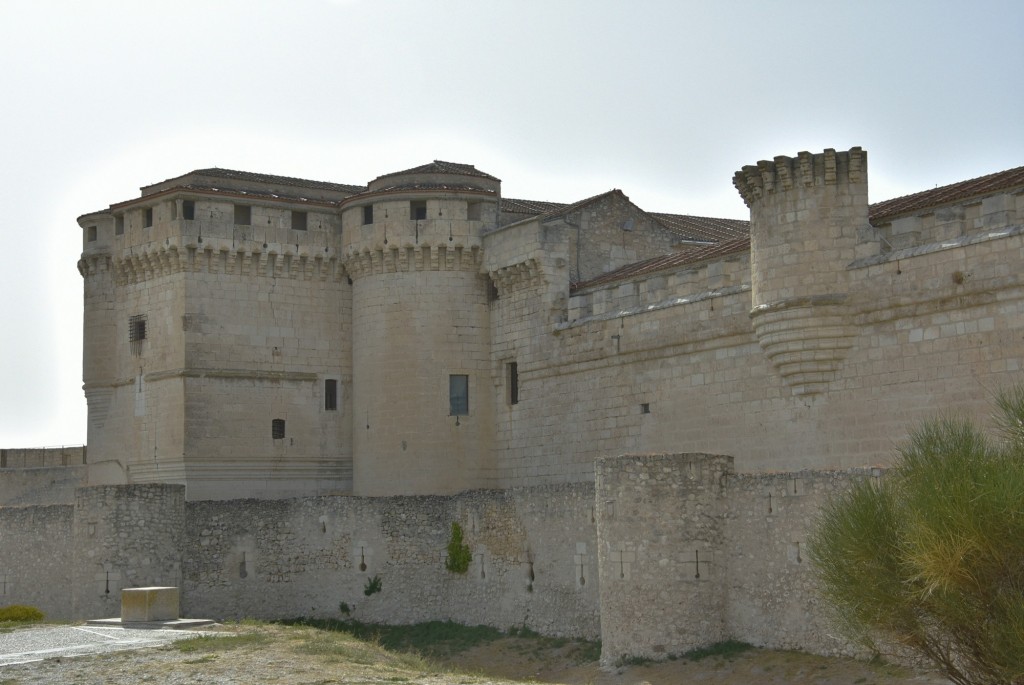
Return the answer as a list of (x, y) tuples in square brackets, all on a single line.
[(306, 656)]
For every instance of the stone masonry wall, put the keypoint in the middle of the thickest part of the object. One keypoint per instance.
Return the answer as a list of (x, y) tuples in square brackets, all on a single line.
[(36, 562), (691, 554)]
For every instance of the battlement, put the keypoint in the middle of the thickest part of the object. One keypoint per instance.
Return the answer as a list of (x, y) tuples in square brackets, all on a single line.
[(806, 170)]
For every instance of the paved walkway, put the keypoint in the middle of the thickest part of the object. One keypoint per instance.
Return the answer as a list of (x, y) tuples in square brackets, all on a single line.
[(35, 644)]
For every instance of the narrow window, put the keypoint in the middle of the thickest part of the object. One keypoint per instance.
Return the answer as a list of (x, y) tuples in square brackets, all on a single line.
[(136, 333), (174, 210), (473, 211), (458, 395), (119, 224), (298, 221), (147, 217), (277, 429), (330, 394), (188, 210), (513, 382), (367, 215), (418, 210), (243, 215), (90, 234)]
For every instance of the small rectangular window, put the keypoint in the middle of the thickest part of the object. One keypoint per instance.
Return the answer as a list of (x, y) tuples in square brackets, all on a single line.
[(119, 224), (330, 394), (367, 215), (90, 234), (418, 210), (188, 210), (458, 395), (243, 215), (147, 217), (136, 333), (174, 210), (298, 221), (473, 212), (513, 382), (277, 429)]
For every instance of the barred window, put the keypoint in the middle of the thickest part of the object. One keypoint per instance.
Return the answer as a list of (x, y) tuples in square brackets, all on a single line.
[(277, 429), (136, 332)]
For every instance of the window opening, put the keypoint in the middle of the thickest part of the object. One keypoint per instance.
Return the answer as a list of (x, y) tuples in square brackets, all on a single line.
[(147, 217), (136, 333), (243, 215), (119, 224), (174, 210), (473, 212), (367, 214), (458, 395), (188, 210), (513, 382), (277, 429), (91, 234), (418, 210), (330, 394), (299, 221)]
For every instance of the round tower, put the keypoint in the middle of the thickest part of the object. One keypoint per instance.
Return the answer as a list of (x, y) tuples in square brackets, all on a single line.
[(99, 334), (421, 370), (806, 214)]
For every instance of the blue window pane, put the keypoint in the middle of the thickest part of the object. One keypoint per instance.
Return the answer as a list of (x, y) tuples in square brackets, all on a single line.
[(458, 395)]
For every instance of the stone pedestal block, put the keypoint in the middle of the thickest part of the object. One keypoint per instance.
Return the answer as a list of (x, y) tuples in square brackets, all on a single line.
[(149, 604)]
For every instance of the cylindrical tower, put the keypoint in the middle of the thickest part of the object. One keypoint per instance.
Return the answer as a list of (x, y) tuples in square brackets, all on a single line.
[(805, 218), (99, 341), (421, 368)]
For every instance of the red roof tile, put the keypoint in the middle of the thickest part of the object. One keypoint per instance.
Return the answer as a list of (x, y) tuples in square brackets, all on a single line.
[(881, 212), (675, 260)]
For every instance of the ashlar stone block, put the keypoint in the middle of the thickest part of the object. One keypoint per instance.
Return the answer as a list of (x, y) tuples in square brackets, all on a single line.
[(149, 604)]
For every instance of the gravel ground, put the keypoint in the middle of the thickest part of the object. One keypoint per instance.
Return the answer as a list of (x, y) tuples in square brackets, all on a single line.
[(281, 655)]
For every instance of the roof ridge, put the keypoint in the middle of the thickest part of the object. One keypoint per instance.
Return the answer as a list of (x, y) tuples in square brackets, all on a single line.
[(951, 192)]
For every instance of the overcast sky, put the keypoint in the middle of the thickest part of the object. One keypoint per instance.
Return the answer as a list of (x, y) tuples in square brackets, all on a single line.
[(559, 99)]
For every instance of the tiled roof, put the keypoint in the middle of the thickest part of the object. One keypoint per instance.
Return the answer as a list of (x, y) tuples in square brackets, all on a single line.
[(439, 167), (281, 180), (513, 206), (430, 186), (955, 192), (556, 212), (703, 228), (690, 255)]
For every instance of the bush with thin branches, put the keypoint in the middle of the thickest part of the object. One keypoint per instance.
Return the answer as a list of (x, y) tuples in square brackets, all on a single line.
[(931, 557)]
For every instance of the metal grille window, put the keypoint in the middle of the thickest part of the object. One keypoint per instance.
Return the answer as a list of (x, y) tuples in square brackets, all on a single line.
[(277, 429), (458, 395), (136, 332)]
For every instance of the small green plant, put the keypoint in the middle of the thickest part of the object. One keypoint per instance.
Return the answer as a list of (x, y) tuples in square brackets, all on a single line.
[(345, 608), (19, 613), (459, 555), (373, 586)]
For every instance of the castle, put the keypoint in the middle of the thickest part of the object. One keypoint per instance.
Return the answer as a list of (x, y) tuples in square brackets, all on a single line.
[(296, 385)]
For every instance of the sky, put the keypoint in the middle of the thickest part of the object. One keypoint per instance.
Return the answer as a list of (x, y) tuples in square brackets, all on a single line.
[(561, 99)]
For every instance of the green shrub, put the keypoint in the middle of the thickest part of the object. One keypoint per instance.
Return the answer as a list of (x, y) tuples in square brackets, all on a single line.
[(373, 586), (18, 613), (931, 558), (459, 555)]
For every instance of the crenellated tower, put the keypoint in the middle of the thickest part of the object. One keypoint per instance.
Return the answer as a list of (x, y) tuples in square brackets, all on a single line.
[(421, 365), (806, 214)]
